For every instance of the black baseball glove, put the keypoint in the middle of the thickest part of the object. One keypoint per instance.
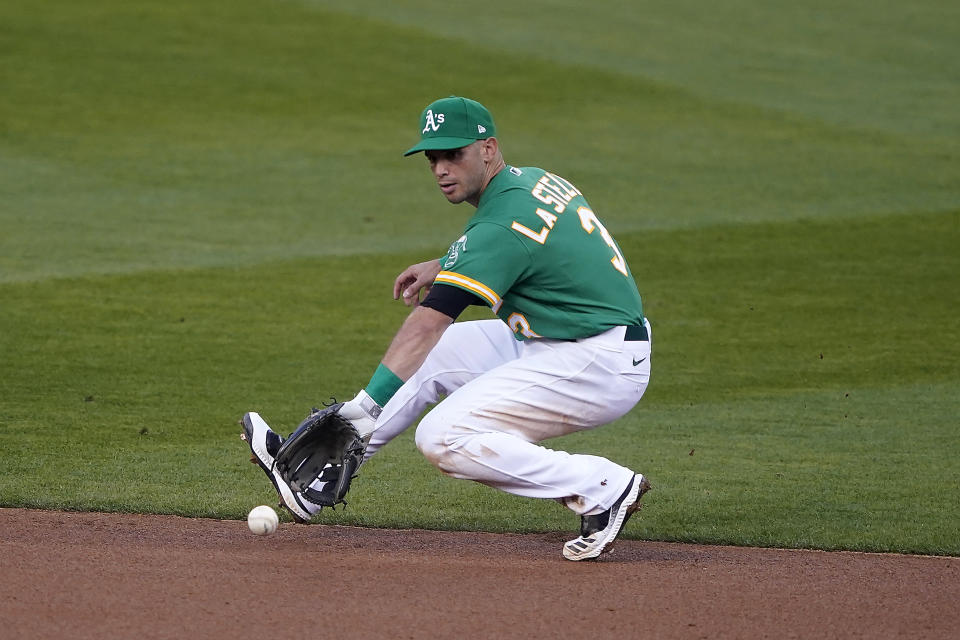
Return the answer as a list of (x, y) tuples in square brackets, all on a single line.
[(325, 446)]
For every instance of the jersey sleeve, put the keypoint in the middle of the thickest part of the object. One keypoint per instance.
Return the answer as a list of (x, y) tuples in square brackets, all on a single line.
[(486, 261)]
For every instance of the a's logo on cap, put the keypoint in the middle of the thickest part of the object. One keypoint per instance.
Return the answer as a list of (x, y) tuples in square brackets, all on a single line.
[(481, 128), (433, 121)]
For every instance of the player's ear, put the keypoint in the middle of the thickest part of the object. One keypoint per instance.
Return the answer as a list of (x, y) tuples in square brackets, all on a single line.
[(489, 149)]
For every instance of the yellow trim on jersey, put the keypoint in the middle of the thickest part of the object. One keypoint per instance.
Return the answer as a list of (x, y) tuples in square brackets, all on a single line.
[(471, 285)]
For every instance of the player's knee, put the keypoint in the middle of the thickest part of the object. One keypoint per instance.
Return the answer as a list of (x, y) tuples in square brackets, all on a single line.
[(433, 439), (430, 439)]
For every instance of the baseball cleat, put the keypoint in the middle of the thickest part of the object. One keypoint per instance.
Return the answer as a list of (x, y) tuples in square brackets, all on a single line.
[(264, 444), (598, 533)]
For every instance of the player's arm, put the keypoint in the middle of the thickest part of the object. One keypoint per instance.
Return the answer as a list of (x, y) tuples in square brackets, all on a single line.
[(419, 333), (417, 336), (422, 329)]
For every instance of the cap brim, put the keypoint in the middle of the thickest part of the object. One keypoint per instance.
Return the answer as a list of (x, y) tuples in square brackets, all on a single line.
[(439, 143)]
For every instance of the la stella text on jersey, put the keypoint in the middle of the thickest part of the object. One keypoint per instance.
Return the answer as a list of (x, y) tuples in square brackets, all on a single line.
[(553, 190)]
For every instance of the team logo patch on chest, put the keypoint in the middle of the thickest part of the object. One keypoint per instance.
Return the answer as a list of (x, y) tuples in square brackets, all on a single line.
[(453, 254)]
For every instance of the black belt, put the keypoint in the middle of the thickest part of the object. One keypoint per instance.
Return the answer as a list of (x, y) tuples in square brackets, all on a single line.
[(636, 333)]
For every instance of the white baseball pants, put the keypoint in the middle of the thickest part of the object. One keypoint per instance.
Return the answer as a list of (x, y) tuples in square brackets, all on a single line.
[(504, 396)]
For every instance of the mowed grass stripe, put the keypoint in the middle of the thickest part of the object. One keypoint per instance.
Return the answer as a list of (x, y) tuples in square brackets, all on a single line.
[(124, 391), (885, 66), (183, 135)]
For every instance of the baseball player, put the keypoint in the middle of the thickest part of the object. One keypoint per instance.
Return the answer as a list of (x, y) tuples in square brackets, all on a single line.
[(570, 349)]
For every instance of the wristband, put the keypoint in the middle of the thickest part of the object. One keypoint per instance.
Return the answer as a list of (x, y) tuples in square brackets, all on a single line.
[(383, 384)]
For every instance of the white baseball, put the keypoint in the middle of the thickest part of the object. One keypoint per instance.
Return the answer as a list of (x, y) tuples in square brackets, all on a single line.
[(263, 520)]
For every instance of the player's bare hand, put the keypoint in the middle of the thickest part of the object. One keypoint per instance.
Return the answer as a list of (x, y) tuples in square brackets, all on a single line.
[(414, 280)]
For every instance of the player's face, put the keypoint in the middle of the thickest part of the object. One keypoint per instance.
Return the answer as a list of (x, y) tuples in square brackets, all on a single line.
[(460, 173)]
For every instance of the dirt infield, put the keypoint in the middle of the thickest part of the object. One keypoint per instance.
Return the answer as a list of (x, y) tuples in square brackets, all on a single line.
[(91, 575)]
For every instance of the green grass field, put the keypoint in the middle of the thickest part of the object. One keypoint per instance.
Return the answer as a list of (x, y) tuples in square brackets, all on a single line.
[(203, 206)]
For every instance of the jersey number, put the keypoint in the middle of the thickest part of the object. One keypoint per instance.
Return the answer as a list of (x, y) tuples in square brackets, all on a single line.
[(589, 222), (552, 189), (517, 322)]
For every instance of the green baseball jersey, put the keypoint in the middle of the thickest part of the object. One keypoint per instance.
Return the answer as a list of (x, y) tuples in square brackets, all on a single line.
[(538, 255)]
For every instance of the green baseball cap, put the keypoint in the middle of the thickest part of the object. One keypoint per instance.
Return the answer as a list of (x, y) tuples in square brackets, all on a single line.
[(451, 123)]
